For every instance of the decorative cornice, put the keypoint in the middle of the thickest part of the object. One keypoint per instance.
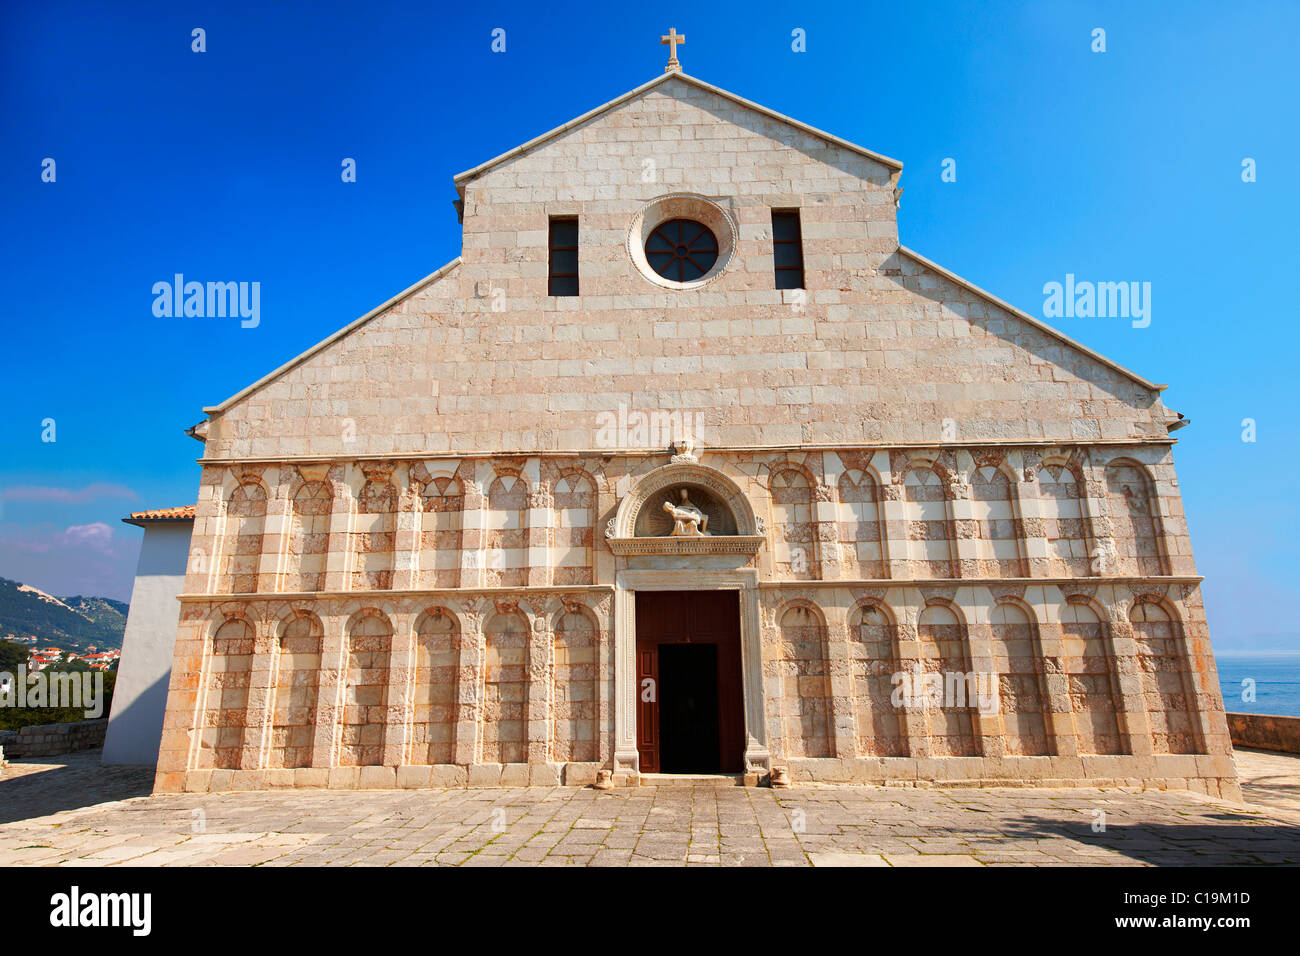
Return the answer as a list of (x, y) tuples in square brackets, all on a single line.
[(706, 544)]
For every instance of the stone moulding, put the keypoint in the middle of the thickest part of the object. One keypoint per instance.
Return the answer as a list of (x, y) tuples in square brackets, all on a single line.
[(707, 544), (700, 476)]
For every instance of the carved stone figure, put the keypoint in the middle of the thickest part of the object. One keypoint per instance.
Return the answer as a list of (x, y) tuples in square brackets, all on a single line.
[(688, 520)]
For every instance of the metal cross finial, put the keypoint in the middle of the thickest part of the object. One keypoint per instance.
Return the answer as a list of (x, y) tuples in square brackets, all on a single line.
[(672, 40)]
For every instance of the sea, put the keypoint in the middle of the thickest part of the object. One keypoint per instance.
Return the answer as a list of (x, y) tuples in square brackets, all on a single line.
[(1274, 679)]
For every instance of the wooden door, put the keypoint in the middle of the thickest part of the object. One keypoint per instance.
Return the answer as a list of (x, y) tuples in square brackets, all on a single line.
[(689, 617)]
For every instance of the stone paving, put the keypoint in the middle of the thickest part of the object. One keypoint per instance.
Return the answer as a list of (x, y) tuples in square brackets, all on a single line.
[(77, 813)]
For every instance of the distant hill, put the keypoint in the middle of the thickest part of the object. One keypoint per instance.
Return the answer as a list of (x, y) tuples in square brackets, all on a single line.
[(72, 622)]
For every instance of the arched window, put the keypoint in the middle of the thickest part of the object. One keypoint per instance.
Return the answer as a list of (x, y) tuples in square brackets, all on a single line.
[(1060, 501), (1090, 671), (1021, 694), (437, 663), (373, 536), (997, 542), (313, 504), (929, 532), (1167, 686), (793, 533), (575, 700), (297, 677), (943, 652), (225, 716), (241, 550), (504, 715), (860, 525), (1134, 519), (441, 533), (507, 532), (804, 684), (575, 519), (365, 693), (873, 648)]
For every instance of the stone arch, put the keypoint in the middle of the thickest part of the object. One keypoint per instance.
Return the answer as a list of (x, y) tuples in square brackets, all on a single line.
[(575, 688), (1134, 513), (227, 666), (994, 507), (794, 522), (363, 720), (861, 524), (1061, 502), (650, 492), (295, 691), (874, 658), (436, 685), (310, 511), (374, 530), (803, 681), (1022, 693), (503, 716), (941, 634), (442, 507), (507, 530), (929, 539), (1089, 664), (241, 546), (1168, 689), (574, 496)]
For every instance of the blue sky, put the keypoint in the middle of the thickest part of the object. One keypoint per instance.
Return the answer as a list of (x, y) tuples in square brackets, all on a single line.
[(1122, 165)]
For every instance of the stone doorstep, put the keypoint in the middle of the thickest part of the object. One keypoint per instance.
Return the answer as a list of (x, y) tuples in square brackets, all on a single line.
[(694, 780)]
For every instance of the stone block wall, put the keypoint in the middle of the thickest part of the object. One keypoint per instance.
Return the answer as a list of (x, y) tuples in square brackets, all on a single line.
[(49, 740)]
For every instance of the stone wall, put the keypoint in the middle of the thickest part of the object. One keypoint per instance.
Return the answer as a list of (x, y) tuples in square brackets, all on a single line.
[(487, 654), (1265, 732), (879, 348), (48, 740)]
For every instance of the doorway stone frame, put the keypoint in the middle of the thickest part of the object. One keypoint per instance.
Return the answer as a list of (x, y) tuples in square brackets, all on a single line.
[(757, 758)]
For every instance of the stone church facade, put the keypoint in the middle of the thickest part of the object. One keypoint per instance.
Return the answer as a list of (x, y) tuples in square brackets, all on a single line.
[(433, 549)]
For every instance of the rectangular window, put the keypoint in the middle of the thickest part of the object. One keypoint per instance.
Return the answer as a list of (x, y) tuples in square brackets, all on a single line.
[(787, 248), (564, 257)]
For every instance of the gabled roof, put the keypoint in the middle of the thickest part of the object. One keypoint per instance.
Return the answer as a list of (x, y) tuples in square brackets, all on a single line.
[(325, 343), (1026, 317), (462, 178)]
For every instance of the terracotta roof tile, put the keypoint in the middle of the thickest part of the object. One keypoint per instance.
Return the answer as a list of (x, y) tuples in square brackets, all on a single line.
[(183, 513)]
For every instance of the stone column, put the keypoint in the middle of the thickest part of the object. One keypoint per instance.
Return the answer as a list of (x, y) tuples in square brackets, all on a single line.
[(276, 530), (329, 691), (541, 666), (826, 519), (541, 511), (1132, 706), (913, 717), (1033, 532), (338, 560), (474, 521), (894, 536), (261, 694), (1103, 559), (975, 605), (406, 536), (1058, 713), (469, 681), (400, 711), (965, 528), (839, 664)]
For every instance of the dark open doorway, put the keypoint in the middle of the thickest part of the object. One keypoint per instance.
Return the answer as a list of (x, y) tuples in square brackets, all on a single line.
[(689, 703), (688, 708)]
